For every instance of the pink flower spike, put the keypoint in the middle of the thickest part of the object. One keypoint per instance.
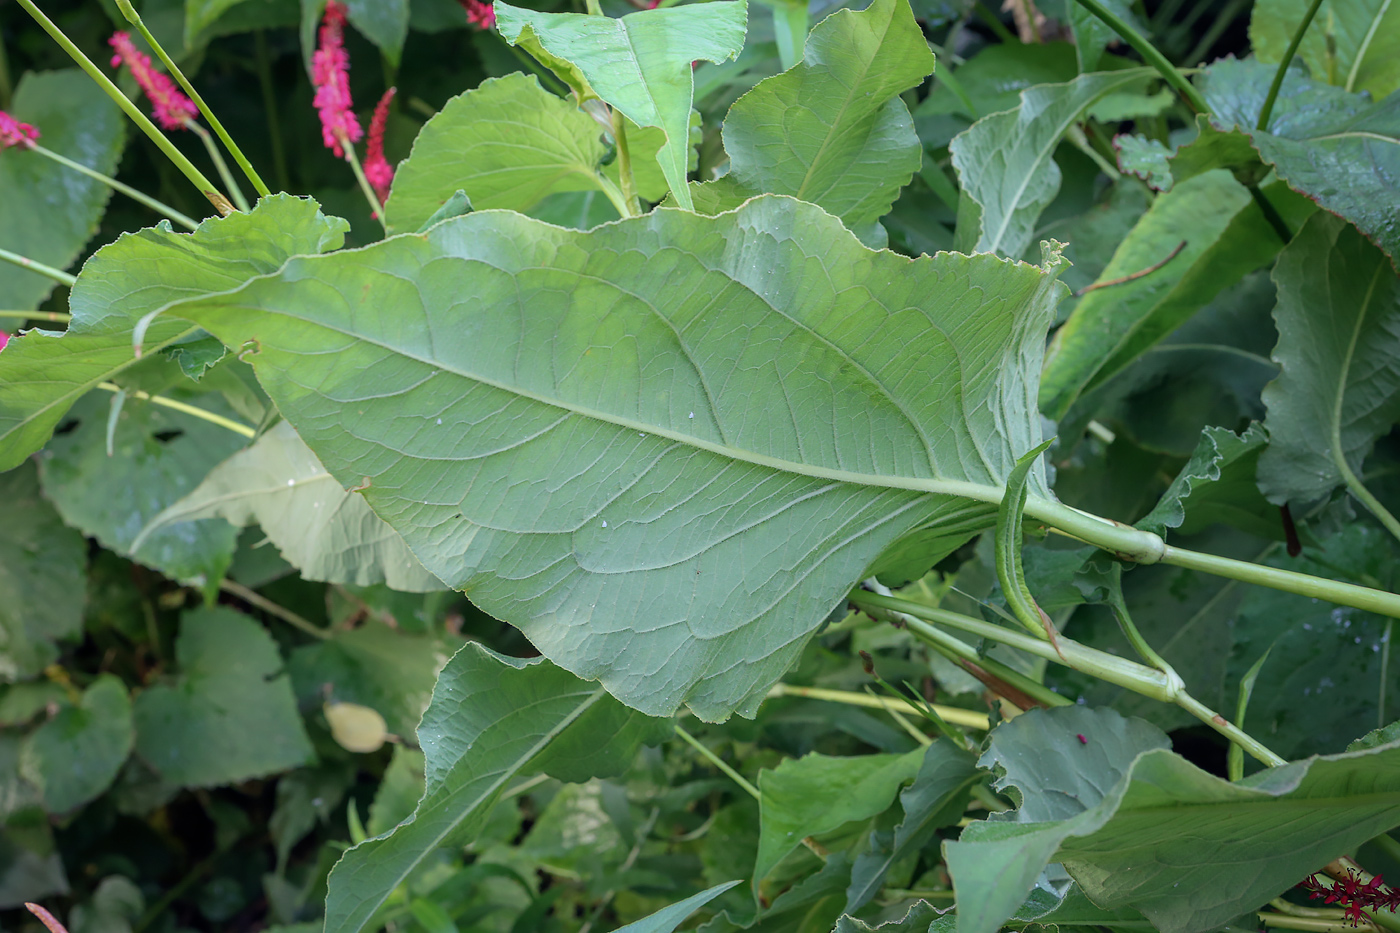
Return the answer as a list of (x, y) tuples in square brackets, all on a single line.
[(377, 169), (479, 14), (15, 133), (172, 108), (4, 339), (330, 72)]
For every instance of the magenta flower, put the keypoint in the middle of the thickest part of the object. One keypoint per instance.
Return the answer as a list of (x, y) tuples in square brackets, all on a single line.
[(377, 169), (172, 108), (4, 339), (15, 133), (330, 72), (479, 14)]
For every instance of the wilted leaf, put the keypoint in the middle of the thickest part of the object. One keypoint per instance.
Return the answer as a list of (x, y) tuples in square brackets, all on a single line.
[(832, 129), (639, 63), (230, 715), (324, 530), (49, 211), (493, 721), (1005, 160), (610, 473), (1216, 485)]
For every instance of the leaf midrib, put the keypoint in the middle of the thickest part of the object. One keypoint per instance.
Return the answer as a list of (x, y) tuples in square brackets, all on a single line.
[(1344, 374)]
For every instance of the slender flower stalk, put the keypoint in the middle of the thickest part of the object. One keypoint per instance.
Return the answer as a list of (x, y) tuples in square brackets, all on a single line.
[(220, 165), (24, 262), (378, 171), (171, 107), (330, 72)]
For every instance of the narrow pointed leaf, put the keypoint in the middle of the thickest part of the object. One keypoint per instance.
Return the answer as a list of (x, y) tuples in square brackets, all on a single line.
[(506, 144), (832, 129), (1005, 160), (1338, 318), (1010, 573), (322, 529), (578, 429), (48, 211), (1353, 44), (640, 63), (44, 373), (667, 919), (493, 721)]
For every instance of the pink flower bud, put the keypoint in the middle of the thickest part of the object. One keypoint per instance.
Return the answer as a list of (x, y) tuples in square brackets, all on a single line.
[(330, 72), (377, 169), (15, 133), (171, 107), (479, 14)]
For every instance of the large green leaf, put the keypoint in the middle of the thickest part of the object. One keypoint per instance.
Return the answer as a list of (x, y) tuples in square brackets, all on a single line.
[(48, 212), (230, 715), (42, 579), (75, 755), (44, 373), (1137, 825), (373, 665), (1005, 160), (1202, 236), (509, 143), (579, 429), (1354, 44), (640, 63), (1339, 149), (815, 794), (1338, 318), (831, 129), (321, 528), (493, 721), (1092, 35), (157, 456)]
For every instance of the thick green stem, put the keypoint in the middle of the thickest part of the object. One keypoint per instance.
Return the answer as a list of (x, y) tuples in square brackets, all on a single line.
[(624, 165), (58, 275), (196, 177), (1268, 109), (160, 207), (220, 165), (1149, 54), (1165, 686), (135, 19)]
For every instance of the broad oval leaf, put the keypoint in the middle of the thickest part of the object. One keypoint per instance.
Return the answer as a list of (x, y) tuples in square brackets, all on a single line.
[(48, 211), (580, 429), (1005, 160), (640, 63), (508, 143), (1338, 389), (321, 528), (832, 129), (74, 756), (493, 721)]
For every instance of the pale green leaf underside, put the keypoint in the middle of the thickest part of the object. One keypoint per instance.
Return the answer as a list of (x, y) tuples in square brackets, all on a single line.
[(508, 144), (832, 129), (640, 63), (665, 448), (1005, 161), (325, 531)]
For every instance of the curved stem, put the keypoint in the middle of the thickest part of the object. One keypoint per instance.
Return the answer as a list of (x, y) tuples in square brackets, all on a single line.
[(160, 207), (193, 410), (58, 275), (196, 177), (960, 717), (719, 762), (135, 18), (1297, 40), (1149, 54), (219, 164)]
